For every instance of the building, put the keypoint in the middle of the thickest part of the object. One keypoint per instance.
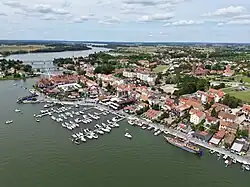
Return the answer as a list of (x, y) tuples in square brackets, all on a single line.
[(153, 114), (196, 116), (246, 109), (216, 139), (211, 120), (192, 102), (218, 94), (129, 74), (202, 135), (228, 72), (220, 107), (229, 139), (224, 116), (228, 126)]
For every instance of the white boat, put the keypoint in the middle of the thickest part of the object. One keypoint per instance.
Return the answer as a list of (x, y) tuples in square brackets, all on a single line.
[(108, 121), (225, 157), (9, 121), (129, 136), (99, 131), (157, 132), (131, 122), (116, 124), (74, 136), (46, 106), (37, 120), (71, 116), (95, 136), (17, 110), (53, 118), (89, 136), (212, 151), (77, 106), (234, 161), (83, 139), (143, 127), (105, 129), (63, 125)]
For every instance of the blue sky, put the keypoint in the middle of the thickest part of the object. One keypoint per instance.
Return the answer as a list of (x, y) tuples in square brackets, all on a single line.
[(127, 20)]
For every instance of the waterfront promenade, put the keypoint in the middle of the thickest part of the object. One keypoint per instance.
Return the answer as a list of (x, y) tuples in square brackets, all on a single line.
[(90, 102)]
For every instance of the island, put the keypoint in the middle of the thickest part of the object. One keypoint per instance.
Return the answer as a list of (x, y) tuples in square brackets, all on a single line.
[(10, 48)]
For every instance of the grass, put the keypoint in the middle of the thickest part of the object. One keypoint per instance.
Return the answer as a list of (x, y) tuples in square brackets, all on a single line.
[(160, 68), (13, 48), (245, 79), (243, 95)]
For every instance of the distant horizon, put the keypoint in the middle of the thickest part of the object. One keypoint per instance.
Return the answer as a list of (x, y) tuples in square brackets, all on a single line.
[(118, 42)]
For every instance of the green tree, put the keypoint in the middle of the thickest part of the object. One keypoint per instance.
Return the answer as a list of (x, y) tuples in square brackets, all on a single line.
[(214, 113)]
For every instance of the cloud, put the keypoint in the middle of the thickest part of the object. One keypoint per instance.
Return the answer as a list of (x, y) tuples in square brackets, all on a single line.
[(109, 21), (245, 16), (183, 23), (235, 22), (3, 14), (156, 17), (49, 17), (227, 12), (47, 9), (81, 19), (35, 9), (152, 2), (12, 4)]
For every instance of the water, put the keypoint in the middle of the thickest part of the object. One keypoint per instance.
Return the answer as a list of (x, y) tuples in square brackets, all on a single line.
[(50, 56), (41, 154)]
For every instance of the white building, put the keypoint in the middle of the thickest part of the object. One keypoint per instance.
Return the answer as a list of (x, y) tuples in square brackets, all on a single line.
[(196, 116), (129, 74)]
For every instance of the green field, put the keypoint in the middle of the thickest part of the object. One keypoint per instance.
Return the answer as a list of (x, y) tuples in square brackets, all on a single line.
[(245, 79), (160, 68), (243, 95)]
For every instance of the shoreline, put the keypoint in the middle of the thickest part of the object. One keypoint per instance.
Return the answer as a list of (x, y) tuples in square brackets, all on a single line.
[(164, 129)]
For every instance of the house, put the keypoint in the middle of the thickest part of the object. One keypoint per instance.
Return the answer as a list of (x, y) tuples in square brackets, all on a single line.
[(169, 104), (2, 74), (143, 62), (220, 107), (180, 109), (229, 139), (191, 102), (202, 135), (196, 116), (218, 94), (237, 146), (211, 120), (226, 116), (228, 72), (246, 109), (228, 126), (153, 114), (216, 139), (128, 74)]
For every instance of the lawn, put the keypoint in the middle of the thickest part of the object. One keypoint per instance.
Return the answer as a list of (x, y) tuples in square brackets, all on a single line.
[(243, 95), (245, 79), (160, 68)]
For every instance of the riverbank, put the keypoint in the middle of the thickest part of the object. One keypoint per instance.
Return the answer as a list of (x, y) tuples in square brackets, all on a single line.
[(90, 102)]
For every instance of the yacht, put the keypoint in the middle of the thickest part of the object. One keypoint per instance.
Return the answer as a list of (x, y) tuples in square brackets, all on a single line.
[(71, 116), (74, 136), (17, 110), (99, 131), (225, 157), (131, 122), (104, 129), (127, 135), (157, 132), (83, 139), (37, 120), (9, 121), (116, 124), (63, 125), (143, 127), (95, 136), (53, 118), (89, 136), (109, 121)]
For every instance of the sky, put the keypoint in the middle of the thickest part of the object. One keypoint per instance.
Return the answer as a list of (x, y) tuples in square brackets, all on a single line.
[(126, 20)]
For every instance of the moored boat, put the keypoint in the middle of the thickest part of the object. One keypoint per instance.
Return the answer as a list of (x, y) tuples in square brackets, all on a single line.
[(127, 135), (185, 145), (9, 122)]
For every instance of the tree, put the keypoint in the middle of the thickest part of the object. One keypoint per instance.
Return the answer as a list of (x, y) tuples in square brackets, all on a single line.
[(38, 70), (27, 68), (100, 82), (214, 113)]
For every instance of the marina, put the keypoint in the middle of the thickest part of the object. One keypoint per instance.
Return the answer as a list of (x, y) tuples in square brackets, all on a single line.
[(43, 150)]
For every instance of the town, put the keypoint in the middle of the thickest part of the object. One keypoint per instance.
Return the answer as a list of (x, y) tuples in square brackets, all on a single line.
[(196, 91)]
